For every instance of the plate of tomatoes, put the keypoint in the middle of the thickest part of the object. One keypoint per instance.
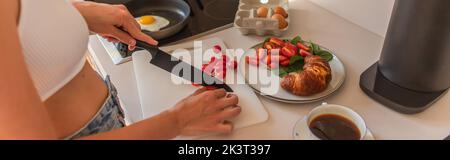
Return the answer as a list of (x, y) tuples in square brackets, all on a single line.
[(266, 65)]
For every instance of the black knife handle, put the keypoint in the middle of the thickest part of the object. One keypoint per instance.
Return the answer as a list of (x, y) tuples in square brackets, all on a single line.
[(145, 45), (150, 48)]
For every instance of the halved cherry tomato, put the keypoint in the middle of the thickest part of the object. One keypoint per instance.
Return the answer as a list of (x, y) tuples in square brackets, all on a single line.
[(302, 46), (304, 53), (285, 63), (291, 47), (270, 45), (288, 52), (217, 49), (276, 41), (213, 59), (282, 58)]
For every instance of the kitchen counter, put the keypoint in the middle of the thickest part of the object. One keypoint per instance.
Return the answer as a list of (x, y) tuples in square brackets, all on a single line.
[(357, 47)]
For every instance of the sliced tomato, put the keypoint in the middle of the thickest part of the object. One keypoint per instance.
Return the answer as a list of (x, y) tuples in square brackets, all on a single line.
[(217, 49), (204, 66), (270, 45), (277, 41), (304, 53), (213, 59), (289, 50), (292, 47), (285, 51), (302, 46), (285, 63), (282, 58)]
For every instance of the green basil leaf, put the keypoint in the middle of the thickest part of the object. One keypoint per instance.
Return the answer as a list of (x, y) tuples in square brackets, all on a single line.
[(325, 55), (296, 40), (295, 59), (267, 39), (311, 47), (294, 67), (297, 66), (282, 72), (315, 48)]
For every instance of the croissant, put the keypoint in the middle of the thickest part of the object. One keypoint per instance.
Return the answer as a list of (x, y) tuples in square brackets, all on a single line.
[(314, 78)]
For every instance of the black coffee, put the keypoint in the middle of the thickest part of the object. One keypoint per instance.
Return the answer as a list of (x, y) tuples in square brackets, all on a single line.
[(334, 127)]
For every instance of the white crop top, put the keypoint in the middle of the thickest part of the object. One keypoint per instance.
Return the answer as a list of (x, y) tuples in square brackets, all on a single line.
[(54, 38)]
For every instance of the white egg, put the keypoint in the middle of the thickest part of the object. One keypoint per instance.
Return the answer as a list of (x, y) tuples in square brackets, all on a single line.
[(152, 23)]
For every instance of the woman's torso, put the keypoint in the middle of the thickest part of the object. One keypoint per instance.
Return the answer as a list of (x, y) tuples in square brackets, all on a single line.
[(54, 40)]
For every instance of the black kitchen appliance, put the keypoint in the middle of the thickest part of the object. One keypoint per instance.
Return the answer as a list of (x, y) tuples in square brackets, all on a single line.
[(414, 68), (205, 15)]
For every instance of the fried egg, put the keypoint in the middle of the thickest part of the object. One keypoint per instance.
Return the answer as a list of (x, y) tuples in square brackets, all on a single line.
[(152, 23)]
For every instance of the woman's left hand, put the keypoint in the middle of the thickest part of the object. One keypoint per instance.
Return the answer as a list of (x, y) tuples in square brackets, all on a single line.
[(113, 22)]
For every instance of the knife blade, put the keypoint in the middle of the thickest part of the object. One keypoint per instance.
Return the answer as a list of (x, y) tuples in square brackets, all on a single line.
[(168, 63)]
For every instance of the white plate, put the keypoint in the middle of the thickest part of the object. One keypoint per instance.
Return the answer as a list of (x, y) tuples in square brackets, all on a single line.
[(338, 78), (300, 131)]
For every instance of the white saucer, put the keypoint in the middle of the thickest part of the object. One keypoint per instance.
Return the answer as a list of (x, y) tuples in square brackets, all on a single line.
[(301, 126)]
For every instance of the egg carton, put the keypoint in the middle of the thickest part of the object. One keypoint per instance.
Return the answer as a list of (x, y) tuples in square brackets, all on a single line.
[(247, 21)]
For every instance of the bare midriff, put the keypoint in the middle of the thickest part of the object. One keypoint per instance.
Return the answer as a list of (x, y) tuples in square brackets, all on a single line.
[(74, 105)]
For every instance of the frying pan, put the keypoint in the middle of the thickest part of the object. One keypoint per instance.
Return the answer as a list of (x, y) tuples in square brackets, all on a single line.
[(176, 11)]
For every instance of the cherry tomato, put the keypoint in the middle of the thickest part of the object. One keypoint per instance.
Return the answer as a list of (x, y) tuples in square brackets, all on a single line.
[(304, 53), (276, 41), (217, 49), (302, 46)]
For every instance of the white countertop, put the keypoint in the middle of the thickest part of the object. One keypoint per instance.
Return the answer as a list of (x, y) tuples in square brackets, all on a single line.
[(357, 47)]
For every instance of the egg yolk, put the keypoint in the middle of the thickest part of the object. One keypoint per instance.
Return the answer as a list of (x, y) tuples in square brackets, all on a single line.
[(147, 20)]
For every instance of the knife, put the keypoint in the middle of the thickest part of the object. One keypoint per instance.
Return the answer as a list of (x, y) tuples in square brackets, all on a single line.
[(167, 62)]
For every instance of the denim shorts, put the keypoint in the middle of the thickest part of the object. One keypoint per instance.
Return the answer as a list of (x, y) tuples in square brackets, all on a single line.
[(109, 117)]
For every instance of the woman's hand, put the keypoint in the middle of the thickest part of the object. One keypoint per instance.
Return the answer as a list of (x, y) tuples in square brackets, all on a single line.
[(113, 22), (206, 111)]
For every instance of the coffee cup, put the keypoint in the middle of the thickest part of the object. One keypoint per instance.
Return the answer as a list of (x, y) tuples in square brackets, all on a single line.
[(335, 122)]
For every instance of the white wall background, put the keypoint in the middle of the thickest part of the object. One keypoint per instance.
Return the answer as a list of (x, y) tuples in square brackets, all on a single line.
[(374, 15)]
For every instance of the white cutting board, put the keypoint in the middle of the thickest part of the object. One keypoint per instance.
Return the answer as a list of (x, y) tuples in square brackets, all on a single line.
[(157, 92)]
